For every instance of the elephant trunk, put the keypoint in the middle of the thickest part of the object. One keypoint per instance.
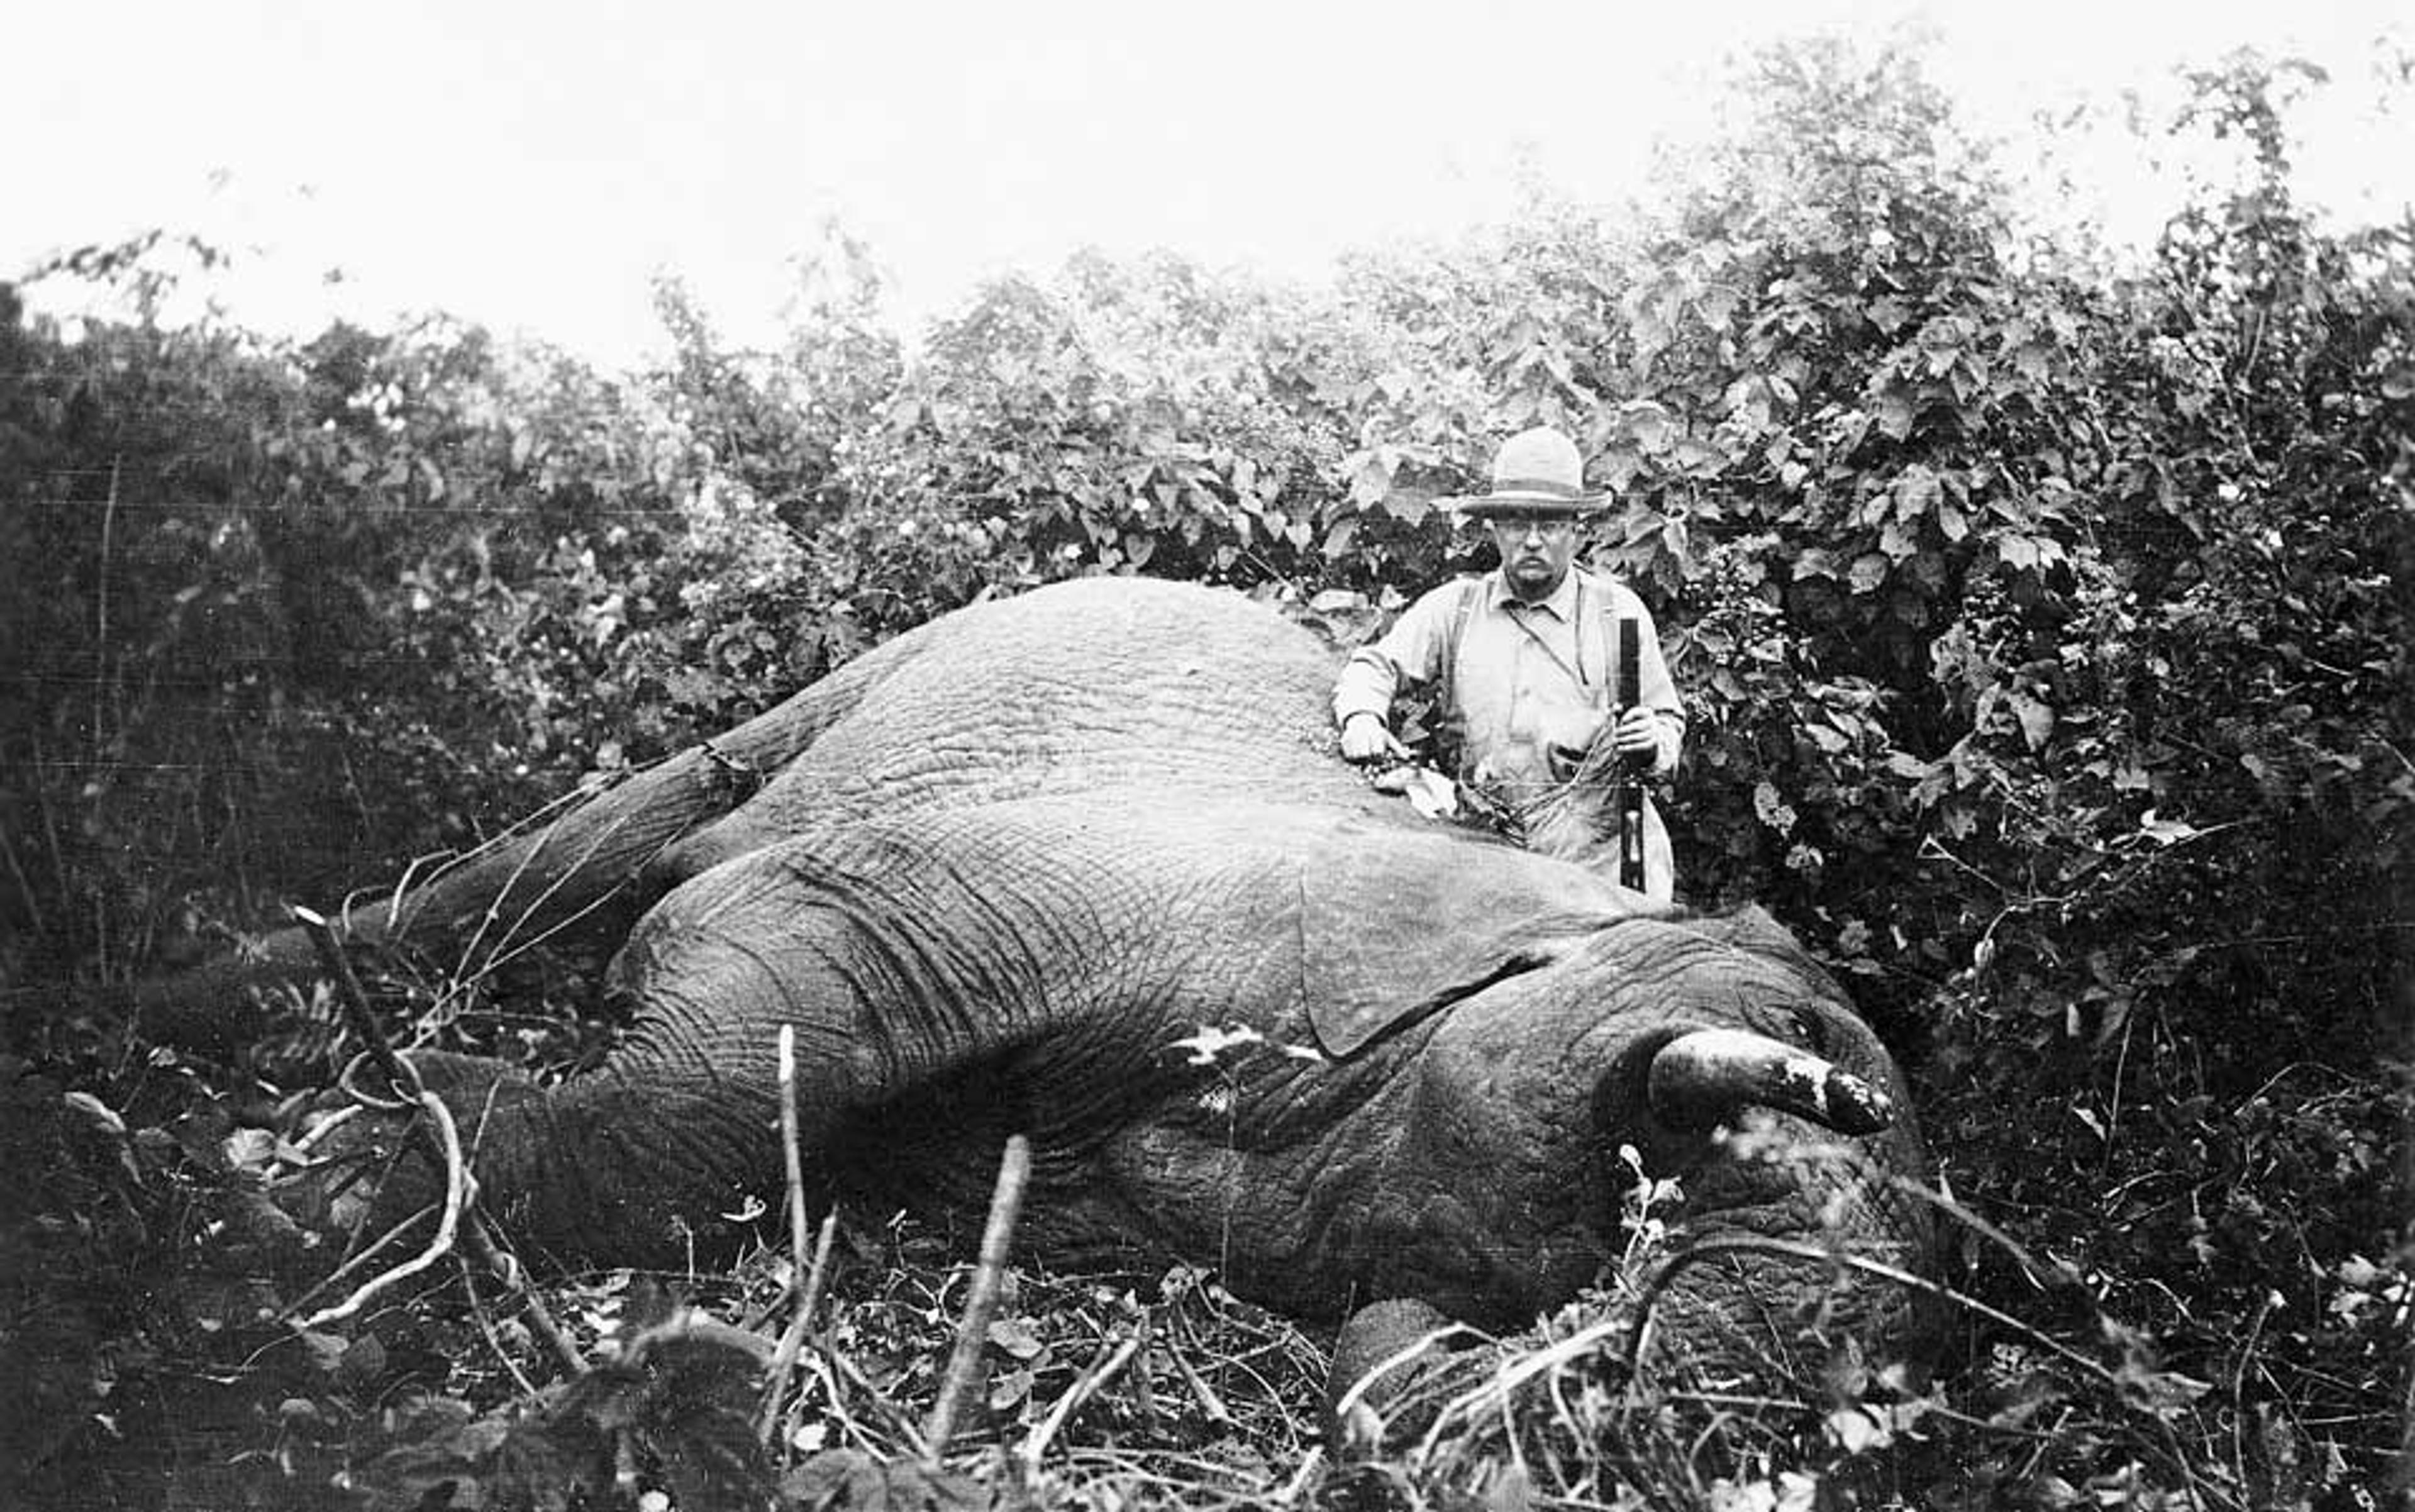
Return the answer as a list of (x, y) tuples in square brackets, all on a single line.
[(1705, 1076)]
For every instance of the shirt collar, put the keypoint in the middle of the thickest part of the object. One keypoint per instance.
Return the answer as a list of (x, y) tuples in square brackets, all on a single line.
[(1562, 605)]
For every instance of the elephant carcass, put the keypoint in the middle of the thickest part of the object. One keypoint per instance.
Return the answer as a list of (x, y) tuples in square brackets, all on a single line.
[(1083, 865)]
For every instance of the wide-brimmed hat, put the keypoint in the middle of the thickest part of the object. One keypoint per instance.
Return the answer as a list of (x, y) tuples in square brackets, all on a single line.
[(1535, 472)]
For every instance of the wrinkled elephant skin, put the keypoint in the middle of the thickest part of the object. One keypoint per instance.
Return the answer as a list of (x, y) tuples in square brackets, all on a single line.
[(1030, 852)]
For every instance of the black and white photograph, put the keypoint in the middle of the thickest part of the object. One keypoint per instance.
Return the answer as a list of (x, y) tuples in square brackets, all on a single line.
[(1101, 758)]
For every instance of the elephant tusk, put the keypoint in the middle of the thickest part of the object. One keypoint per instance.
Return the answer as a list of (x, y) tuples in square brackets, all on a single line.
[(1701, 1077)]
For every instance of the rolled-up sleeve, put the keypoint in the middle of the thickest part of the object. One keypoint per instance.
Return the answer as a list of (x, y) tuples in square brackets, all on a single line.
[(1410, 651)]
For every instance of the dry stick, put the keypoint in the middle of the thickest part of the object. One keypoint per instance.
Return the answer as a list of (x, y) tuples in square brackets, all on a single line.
[(793, 1340), (99, 689), (981, 1306), (458, 1193), (336, 1278), (1076, 1394), (487, 1326), (462, 976), (25, 887), (790, 1147), (1180, 1332), (905, 1429), (482, 1241), (100, 616), (1702, 1250), (1145, 1394), (808, 1277), (509, 945), (495, 905), (1212, 1405)]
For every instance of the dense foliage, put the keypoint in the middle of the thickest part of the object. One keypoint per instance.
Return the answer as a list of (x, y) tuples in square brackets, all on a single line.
[(2042, 618)]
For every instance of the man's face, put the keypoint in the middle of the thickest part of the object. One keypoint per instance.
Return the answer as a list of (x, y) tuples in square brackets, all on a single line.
[(1536, 551)]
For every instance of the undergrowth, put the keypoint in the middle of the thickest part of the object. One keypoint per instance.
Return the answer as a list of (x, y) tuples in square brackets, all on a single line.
[(155, 1288)]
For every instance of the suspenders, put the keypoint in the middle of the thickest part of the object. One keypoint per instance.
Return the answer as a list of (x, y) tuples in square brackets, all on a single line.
[(1447, 682), (1472, 593)]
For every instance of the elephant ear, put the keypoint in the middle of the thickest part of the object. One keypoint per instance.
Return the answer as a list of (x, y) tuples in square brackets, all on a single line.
[(1393, 930)]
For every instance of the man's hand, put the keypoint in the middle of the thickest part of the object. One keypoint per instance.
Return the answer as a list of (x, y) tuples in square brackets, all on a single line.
[(1637, 734), (1365, 738)]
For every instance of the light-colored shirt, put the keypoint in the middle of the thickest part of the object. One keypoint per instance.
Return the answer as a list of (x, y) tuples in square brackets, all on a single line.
[(1527, 677)]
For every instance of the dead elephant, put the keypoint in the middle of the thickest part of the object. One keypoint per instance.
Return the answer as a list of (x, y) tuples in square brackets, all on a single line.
[(1082, 864)]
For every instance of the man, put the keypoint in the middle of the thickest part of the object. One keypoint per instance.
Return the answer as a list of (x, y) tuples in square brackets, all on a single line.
[(1524, 659)]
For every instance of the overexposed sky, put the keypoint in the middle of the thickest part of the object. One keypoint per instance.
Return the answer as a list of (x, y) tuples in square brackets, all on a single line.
[(529, 164)]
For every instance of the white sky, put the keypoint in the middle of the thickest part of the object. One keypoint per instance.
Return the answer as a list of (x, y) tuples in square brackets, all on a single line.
[(527, 162)]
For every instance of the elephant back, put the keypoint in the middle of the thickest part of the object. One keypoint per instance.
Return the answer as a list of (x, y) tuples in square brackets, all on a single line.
[(1133, 690)]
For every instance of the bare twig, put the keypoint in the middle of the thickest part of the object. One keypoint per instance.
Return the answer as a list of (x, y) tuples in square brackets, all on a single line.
[(495, 905), (100, 617), (355, 1003), (1211, 1403), (25, 887), (487, 1328), (1311, 1464), (509, 945), (1504, 1381), (807, 1275), (336, 1278), (2238, 1377), (792, 1340), (482, 1243), (903, 1425), (401, 887), (1693, 1254), (789, 1146), (458, 1191), (980, 1305), (1082, 1390), (1144, 1394)]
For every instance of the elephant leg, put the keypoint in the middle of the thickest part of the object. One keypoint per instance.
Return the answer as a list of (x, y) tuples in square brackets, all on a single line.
[(1383, 1353)]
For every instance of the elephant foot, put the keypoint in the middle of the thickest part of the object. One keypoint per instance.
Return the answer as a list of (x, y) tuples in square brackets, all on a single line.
[(1384, 1354)]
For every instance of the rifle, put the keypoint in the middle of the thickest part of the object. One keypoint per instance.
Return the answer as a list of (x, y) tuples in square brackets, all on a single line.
[(1627, 791)]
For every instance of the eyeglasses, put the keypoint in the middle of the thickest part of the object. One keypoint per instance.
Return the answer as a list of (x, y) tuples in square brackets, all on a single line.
[(1549, 526)]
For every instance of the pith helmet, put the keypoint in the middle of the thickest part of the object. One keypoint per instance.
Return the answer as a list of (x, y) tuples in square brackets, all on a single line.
[(1535, 472)]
